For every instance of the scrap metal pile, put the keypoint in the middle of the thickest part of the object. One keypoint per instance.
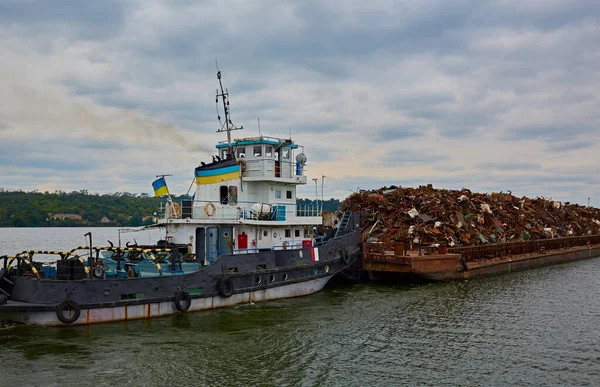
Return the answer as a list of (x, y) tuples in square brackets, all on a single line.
[(428, 216)]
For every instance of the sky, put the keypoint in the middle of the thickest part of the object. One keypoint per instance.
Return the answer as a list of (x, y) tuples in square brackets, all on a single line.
[(498, 95)]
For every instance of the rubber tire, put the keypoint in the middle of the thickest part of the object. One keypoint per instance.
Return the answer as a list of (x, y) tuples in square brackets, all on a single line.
[(345, 257), (101, 272), (60, 308), (225, 287), (2, 273), (3, 299), (183, 295)]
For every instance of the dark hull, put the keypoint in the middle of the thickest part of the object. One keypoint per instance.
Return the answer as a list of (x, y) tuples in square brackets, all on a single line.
[(251, 277)]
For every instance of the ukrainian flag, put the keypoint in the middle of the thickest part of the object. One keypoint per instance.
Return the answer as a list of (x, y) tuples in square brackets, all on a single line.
[(160, 187), (218, 175)]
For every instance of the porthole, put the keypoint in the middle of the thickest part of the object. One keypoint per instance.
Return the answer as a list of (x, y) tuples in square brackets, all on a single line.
[(272, 278), (285, 276), (225, 234), (326, 268), (274, 235), (106, 292), (265, 233)]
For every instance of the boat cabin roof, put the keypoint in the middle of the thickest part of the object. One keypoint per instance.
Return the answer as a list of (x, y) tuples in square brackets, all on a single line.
[(259, 140)]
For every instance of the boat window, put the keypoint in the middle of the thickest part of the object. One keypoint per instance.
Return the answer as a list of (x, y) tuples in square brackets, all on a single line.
[(307, 233), (233, 195), (277, 194), (241, 151), (258, 151), (288, 194), (223, 154), (297, 233), (265, 233), (285, 153), (224, 191), (268, 151), (288, 233)]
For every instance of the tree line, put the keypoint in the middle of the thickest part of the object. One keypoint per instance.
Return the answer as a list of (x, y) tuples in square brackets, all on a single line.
[(54, 209)]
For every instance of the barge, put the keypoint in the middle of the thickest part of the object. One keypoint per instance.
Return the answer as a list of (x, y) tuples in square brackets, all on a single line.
[(392, 263)]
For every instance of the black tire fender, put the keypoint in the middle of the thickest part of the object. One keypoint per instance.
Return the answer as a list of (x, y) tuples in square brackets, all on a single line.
[(345, 257), (3, 299), (2, 273), (183, 295), (68, 305), (225, 287)]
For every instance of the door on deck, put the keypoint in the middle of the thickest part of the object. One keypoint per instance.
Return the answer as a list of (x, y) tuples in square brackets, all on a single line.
[(212, 243), (226, 241), (201, 244)]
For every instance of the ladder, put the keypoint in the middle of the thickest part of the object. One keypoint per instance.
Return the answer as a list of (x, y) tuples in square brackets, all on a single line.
[(341, 230)]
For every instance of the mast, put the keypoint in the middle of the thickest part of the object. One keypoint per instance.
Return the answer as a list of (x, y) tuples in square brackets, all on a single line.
[(228, 127)]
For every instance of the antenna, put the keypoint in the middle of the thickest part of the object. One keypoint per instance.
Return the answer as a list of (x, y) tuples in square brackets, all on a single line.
[(228, 125), (322, 185), (258, 126)]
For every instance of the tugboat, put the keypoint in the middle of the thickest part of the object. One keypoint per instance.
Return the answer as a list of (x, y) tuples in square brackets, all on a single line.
[(241, 239)]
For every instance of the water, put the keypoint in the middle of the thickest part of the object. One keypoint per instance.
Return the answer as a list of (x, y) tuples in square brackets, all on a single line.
[(538, 327)]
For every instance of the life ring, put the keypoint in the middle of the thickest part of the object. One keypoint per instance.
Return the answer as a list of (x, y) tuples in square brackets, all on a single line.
[(68, 305), (225, 287), (242, 165), (175, 210), (210, 209), (98, 272), (182, 295)]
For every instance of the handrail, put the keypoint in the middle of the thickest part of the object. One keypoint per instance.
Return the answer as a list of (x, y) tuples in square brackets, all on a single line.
[(487, 251)]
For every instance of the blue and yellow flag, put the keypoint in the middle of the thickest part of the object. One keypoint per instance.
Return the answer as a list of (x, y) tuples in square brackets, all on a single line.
[(160, 187)]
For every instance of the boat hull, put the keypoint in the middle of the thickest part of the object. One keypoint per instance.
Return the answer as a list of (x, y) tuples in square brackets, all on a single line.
[(448, 267), (166, 308)]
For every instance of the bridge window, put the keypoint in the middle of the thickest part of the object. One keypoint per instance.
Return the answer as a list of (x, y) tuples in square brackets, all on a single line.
[(288, 233), (277, 194), (288, 194), (241, 151), (297, 233), (233, 195), (268, 151), (224, 193), (285, 153), (223, 154), (258, 151)]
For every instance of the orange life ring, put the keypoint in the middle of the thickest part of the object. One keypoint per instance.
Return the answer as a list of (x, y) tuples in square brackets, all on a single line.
[(175, 210), (242, 165), (210, 209)]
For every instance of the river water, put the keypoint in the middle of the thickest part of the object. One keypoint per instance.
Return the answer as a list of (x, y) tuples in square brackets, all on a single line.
[(537, 328)]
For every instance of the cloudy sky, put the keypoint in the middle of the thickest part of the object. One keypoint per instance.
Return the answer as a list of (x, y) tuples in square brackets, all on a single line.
[(489, 95)]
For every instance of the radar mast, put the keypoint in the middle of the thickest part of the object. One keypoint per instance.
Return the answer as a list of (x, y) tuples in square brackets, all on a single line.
[(227, 126)]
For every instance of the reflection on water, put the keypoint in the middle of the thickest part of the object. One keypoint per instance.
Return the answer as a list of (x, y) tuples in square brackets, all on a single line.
[(532, 328)]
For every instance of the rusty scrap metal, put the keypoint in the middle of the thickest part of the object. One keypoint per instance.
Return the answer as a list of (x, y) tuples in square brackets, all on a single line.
[(429, 216)]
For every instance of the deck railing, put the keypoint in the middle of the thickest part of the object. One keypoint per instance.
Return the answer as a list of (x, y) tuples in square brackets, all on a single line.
[(216, 211), (488, 251)]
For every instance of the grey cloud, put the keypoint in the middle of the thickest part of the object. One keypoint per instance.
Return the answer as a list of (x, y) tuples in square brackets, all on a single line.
[(569, 146), (508, 166), (416, 155)]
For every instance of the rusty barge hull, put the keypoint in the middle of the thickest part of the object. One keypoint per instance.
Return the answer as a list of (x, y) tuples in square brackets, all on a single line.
[(448, 267)]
